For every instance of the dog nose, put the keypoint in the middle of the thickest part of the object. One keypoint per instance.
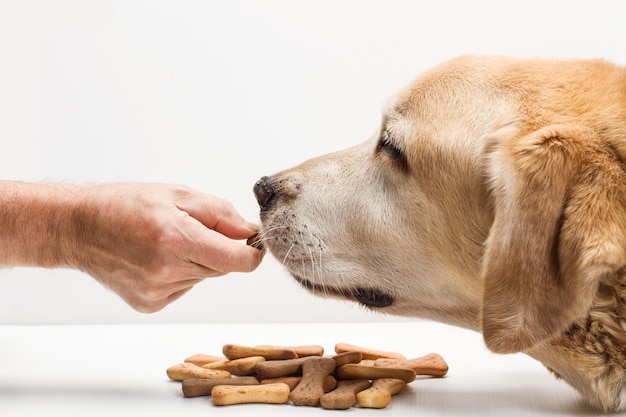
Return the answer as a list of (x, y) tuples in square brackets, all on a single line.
[(264, 191)]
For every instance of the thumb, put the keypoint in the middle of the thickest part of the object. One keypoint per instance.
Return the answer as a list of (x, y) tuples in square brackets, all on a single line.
[(218, 214)]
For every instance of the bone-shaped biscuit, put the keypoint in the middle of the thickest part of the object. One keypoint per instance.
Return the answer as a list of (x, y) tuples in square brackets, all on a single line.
[(301, 350), (366, 352), (330, 383), (197, 387), (345, 358), (344, 396), (354, 371), (243, 394), (201, 359), (311, 387), (188, 370), (268, 352), (243, 366), (276, 369), (379, 394), (431, 364)]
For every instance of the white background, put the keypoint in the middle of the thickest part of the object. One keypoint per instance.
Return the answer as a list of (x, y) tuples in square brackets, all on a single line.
[(215, 94)]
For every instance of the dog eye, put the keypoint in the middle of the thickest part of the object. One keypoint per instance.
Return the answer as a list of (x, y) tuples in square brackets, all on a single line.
[(392, 151)]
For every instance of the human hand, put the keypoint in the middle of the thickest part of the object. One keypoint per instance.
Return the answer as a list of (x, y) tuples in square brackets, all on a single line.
[(151, 243)]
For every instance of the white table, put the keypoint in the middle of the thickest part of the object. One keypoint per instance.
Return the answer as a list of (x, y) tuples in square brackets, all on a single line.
[(119, 370)]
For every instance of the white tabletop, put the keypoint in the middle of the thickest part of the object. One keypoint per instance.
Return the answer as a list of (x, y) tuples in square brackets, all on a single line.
[(119, 370)]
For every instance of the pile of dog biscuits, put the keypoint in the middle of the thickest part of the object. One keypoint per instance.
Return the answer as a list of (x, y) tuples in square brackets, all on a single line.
[(302, 375)]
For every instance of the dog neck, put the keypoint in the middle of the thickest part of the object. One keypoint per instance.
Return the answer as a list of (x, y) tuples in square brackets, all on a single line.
[(591, 354)]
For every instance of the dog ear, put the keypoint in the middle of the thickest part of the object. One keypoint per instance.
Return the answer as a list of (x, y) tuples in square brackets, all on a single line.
[(559, 230)]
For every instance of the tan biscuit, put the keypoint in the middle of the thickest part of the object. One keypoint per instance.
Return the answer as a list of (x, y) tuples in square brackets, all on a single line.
[(269, 353), (329, 382), (345, 358), (353, 371), (196, 387), (291, 381), (243, 366), (243, 394), (379, 394), (201, 359), (301, 351), (276, 369), (367, 353), (344, 396), (431, 364), (311, 387), (188, 370)]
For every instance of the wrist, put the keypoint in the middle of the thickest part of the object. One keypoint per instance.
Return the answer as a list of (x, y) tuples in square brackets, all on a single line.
[(36, 224)]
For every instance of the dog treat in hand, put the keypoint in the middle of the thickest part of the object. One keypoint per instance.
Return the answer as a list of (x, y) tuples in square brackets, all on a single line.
[(367, 353), (255, 242), (431, 364), (243, 394), (188, 370), (379, 394)]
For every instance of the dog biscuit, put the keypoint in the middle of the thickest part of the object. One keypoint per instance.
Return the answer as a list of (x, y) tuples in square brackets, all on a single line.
[(330, 383), (201, 359), (276, 369), (268, 352), (243, 366), (347, 357), (311, 387), (301, 351), (431, 364), (243, 394), (188, 370), (354, 371), (380, 393), (344, 396), (367, 353), (197, 387)]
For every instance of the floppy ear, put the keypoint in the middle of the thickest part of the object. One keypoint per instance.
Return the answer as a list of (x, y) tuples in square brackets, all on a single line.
[(559, 230)]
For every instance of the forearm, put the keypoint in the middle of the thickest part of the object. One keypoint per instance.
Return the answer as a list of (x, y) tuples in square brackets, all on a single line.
[(35, 223)]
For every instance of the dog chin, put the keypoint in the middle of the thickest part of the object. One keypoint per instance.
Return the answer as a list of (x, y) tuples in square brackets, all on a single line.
[(369, 297)]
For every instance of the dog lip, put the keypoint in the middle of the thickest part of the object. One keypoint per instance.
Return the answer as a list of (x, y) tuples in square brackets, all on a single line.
[(372, 297), (369, 297)]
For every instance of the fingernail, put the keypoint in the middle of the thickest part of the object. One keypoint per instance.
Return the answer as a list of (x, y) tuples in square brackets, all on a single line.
[(253, 227)]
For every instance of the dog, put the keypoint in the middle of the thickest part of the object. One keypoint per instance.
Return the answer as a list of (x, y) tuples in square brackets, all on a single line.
[(493, 197)]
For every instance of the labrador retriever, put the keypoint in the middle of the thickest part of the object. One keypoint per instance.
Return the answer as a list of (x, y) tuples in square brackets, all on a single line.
[(493, 197)]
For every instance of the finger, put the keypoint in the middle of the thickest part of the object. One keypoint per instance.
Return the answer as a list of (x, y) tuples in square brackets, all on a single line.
[(217, 214), (219, 253)]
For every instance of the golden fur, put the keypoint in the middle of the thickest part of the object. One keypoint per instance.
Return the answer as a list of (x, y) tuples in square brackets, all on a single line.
[(493, 197)]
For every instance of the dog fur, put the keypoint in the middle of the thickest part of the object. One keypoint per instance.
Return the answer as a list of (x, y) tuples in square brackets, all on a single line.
[(493, 197)]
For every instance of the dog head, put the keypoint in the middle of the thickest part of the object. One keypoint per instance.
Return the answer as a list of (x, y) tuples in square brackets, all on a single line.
[(492, 196)]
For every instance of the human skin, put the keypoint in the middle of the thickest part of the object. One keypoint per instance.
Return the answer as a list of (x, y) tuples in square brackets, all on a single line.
[(150, 243)]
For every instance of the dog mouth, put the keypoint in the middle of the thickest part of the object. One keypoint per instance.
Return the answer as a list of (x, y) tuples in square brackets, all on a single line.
[(370, 297)]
